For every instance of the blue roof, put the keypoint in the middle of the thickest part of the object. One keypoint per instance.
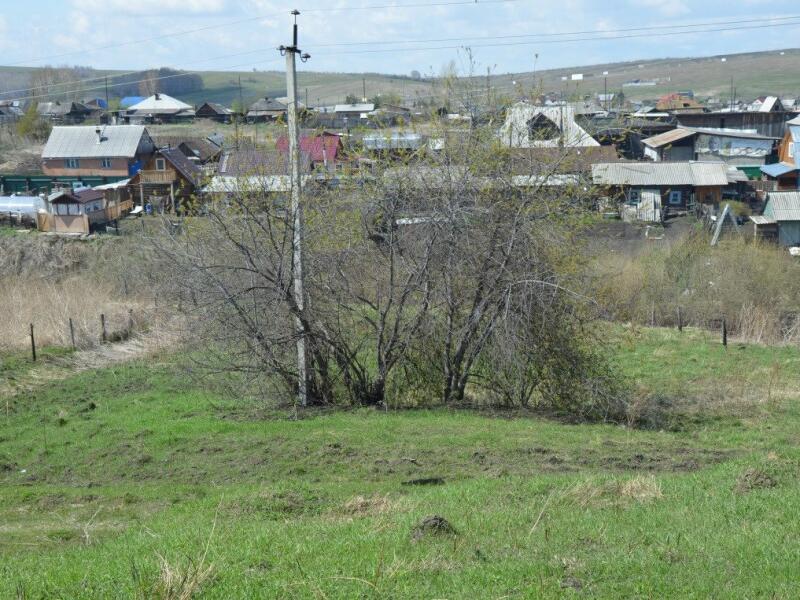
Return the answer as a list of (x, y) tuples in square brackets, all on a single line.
[(778, 169), (129, 101)]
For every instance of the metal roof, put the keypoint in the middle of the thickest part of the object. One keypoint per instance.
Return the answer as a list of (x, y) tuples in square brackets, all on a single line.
[(642, 174), (82, 142), (741, 134), (359, 108), (668, 137), (783, 206), (778, 169), (158, 103)]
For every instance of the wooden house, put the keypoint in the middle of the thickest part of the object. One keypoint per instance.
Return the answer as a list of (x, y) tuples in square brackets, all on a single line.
[(159, 108), (651, 190), (324, 151), (254, 171), (529, 126), (168, 181), (215, 112), (79, 212), (63, 112), (109, 150), (781, 219), (735, 148), (266, 109), (197, 149), (678, 103)]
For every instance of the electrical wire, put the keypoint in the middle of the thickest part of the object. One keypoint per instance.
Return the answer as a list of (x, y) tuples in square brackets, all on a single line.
[(567, 33), (254, 18)]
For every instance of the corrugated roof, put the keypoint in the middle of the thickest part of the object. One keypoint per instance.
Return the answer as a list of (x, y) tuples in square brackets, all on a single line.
[(642, 174), (82, 142), (668, 137), (319, 148), (778, 169), (783, 206)]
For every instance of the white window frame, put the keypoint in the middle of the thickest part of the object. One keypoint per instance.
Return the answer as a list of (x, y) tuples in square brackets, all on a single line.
[(106, 163), (673, 194), (161, 164), (72, 163), (791, 150)]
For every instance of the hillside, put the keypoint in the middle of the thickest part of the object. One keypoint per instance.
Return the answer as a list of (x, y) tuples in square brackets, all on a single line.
[(754, 74), (136, 480)]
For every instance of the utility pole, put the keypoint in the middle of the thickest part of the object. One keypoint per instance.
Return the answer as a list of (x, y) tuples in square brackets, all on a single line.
[(306, 98), (364, 89), (106, 80), (297, 208)]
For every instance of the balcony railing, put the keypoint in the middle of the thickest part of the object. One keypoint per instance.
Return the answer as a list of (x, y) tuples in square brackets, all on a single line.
[(166, 177)]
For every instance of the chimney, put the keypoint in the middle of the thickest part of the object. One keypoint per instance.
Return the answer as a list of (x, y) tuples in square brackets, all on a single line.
[(99, 133), (157, 96)]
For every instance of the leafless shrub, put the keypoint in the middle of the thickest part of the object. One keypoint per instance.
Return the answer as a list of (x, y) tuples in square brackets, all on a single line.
[(438, 274)]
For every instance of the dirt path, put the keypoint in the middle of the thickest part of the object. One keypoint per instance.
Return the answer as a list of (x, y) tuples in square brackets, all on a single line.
[(55, 369)]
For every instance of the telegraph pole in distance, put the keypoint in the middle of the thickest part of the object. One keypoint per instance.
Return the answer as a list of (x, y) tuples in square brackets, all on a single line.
[(290, 53)]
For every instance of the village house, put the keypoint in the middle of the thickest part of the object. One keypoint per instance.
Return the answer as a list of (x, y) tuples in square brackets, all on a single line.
[(529, 126), (253, 171), (214, 112), (63, 112), (324, 151), (201, 150), (649, 191), (159, 108), (769, 124), (79, 212), (736, 148), (108, 150), (784, 173), (266, 109), (167, 182), (678, 104), (766, 104), (781, 219), (552, 167)]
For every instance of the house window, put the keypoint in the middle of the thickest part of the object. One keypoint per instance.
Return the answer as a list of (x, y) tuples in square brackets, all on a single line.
[(72, 163), (675, 197), (106, 163), (634, 197), (161, 164), (791, 149)]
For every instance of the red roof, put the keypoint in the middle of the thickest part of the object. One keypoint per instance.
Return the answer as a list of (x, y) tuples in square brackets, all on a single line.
[(313, 145)]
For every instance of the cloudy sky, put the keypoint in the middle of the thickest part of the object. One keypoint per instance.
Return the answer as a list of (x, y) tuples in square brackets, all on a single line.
[(359, 35)]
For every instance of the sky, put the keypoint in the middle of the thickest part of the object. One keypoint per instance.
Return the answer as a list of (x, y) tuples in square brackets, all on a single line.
[(353, 35)]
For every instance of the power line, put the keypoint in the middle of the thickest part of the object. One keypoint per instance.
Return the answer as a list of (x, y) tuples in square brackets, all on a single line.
[(598, 38), (254, 18), (568, 33)]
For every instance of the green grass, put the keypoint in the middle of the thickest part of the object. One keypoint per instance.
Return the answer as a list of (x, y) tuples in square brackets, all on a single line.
[(103, 473)]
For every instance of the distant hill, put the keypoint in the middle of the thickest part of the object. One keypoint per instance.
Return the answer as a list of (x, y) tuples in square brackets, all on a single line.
[(754, 74)]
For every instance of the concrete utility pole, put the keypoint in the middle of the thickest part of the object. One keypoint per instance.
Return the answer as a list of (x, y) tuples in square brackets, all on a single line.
[(297, 208)]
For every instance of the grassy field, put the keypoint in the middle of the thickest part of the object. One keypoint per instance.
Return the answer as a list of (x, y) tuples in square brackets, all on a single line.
[(138, 480)]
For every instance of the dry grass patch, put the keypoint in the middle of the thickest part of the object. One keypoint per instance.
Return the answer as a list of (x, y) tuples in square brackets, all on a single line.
[(368, 506), (637, 490)]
